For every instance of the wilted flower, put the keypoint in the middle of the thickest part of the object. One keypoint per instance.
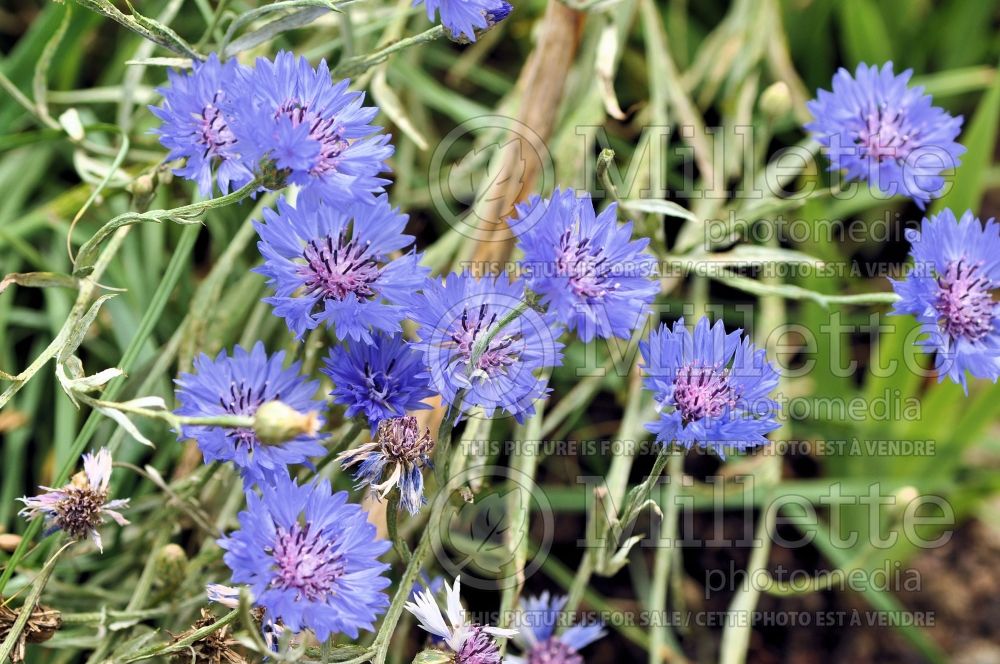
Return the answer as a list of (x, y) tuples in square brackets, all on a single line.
[(332, 265), (457, 318), (195, 128), (471, 643), (382, 379), (314, 130), (310, 559), (877, 129), (399, 452), (952, 290), (42, 625), (536, 619), (710, 388), (79, 508), (591, 274), (239, 385), (215, 648)]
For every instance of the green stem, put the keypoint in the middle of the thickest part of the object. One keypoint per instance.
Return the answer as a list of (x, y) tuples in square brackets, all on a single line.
[(392, 524), (661, 635), (184, 214), (356, 65), (182, 644), (231, 421)]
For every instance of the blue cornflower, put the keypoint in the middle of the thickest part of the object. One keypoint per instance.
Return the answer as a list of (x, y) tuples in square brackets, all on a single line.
[(537, 618), (315, 130), (466, 19), (456, 316), (381, 379), (590, 273), (310, 558), (951, 291), (877, 129), (332, 264), (710, 388), (239, 385), (195, 128), (401, 452), (79, 507)]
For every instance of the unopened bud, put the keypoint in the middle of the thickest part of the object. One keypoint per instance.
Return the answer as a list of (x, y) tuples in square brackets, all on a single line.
[(272, 177), (433, 656), (776, 100), (142, 185), (276, 422), (171, 566)]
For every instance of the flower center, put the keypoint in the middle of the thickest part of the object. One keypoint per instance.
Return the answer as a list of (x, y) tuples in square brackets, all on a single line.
[(553, 651), (79, 511), (585, 265), (402, 440), (965, 302), (701, 391), (883, 136), (337, 268), (243, 400), (305, 563), (215, 134), (478, 648), (378, 382), (324, 131), (502, 351)]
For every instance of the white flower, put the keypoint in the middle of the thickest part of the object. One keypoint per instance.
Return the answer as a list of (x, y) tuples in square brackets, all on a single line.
[(456, 630)]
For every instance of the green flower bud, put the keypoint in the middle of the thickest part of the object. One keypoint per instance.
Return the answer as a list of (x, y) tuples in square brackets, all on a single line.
[(276, 422), (776, 100), (170, 566), (432, 656)]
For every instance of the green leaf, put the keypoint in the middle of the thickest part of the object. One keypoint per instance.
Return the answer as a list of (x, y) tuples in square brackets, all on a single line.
[(969, 182), (865, 37)]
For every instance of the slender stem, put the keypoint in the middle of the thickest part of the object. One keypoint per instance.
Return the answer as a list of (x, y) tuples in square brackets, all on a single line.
[(604, 161), (660, 635), (361, 63), (184, 214), (231, 421), (392, 524), (182, 644)]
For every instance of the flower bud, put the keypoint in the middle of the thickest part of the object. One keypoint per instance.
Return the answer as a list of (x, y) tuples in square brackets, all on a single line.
[(433, 656), (776, 100), (276, 422), (171, 566)]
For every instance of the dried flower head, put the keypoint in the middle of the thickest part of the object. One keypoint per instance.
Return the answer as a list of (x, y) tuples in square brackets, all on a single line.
[(398, 454), (79, 508), (41, 625), (216, 648)]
